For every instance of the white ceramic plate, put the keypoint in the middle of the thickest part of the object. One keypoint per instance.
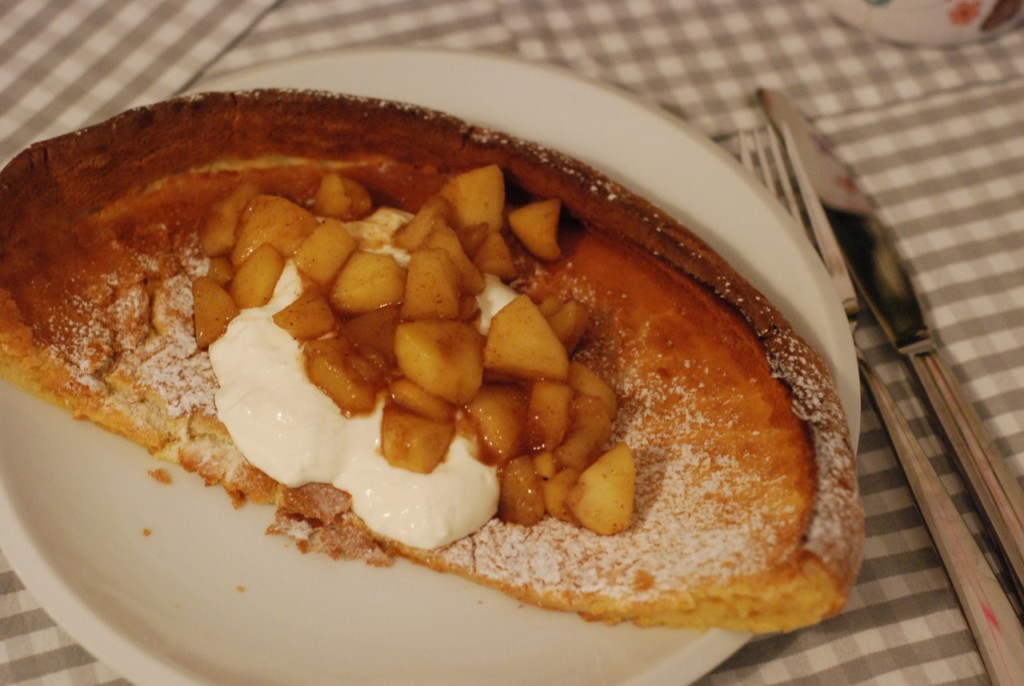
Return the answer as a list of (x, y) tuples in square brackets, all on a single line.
[(205, 598)]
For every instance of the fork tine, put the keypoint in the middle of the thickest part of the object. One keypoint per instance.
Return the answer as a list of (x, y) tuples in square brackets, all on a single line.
[(748, 148), (766, 155), (824, 239), (785, 180), (745, 151), (761, 154)]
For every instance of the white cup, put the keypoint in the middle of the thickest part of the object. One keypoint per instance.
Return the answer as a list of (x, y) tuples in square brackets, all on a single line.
[(929, 22)]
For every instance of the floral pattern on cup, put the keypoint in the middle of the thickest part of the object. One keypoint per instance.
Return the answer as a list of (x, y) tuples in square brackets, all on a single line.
[(929, 22)]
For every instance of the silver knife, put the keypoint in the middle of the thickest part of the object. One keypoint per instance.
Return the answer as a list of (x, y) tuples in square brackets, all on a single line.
[(885, 285)]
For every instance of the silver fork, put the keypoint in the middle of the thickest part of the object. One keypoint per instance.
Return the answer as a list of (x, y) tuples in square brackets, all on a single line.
[(989, 613)]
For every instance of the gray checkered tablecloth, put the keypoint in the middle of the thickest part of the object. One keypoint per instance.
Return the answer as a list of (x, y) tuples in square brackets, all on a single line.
[(935, 136)]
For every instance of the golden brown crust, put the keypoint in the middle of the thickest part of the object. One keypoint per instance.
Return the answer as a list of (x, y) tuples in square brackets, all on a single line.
[(52, 185)]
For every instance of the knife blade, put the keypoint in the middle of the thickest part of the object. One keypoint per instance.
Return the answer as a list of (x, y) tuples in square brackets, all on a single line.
[(877, 270)]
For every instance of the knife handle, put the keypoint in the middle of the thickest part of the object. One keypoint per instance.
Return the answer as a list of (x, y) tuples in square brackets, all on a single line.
[(994, 487), (991, 618)]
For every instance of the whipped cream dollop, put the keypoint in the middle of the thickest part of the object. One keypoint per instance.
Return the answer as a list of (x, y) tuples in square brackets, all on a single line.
[(292, 431)]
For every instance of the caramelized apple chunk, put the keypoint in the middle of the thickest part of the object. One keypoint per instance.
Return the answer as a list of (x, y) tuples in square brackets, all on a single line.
[(500, 416), (556, 492), (569, 322), (445, 358), (545, 464), (432, 286), (521, 497), (367, 282), (548, 414), (217, 235), (410, 395), (585, 382), (494, 257), (221, 270), (373, 332), (477, 197), (521, 344), (308, 317), (603, 496), (590, 429), (256, 278), (414, 442), (471, 237), (213, 310), (341, 198), (536, 226), (273, 220), (336, 368), (444, 238), (435, 212), (321, 255)]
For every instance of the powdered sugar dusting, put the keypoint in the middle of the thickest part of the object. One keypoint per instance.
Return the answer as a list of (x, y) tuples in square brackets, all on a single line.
[(704, 512), (84, 341), (836, 505), (170, 363), (132, 325)]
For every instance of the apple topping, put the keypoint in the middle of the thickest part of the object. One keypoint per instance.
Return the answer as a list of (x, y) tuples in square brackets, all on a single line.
[(522, 344), (253, 284), (401, 330), (214, 310), (536, 226), (477, 197), (442, 357)]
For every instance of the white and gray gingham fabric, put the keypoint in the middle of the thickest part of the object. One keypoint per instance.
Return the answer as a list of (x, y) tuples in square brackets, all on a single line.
[(935, 136)]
